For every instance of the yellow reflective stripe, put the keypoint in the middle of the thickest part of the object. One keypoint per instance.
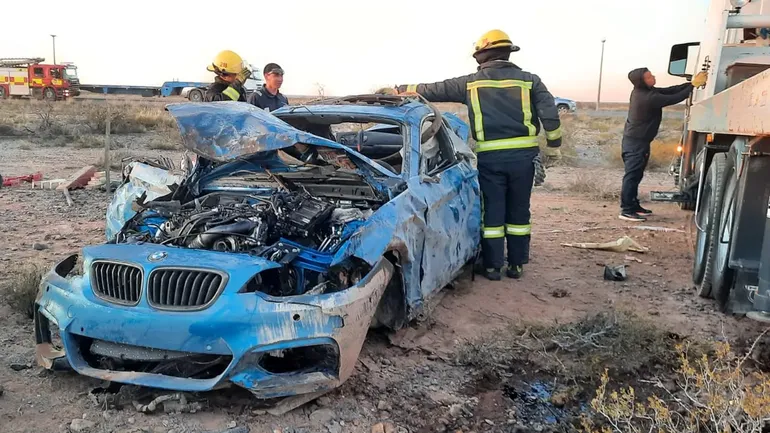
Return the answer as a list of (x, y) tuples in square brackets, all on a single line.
[(493, 232), (231, 93), (553, 135), (478, 124), (506, 143), (498, 84), (526, 108), (411, 88), (518, 230)]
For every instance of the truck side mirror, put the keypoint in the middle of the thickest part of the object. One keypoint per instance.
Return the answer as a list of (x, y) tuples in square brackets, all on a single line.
[(682, 58)]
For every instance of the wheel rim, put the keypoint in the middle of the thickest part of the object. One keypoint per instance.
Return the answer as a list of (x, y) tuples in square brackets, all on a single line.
[(196, 96), (562, 110), (49, 94)]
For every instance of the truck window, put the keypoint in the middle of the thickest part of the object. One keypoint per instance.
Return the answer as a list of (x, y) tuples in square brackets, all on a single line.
[(56, 73), (38, 72)]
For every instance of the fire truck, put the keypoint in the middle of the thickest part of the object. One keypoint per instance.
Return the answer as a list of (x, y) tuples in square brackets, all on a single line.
[(31, 78)]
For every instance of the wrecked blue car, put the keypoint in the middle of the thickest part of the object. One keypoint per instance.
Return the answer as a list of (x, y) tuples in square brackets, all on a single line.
[(265, 259)]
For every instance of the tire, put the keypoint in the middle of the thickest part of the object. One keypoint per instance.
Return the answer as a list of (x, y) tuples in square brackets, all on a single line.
[(708, 221), (722, 277), (49, 94), (562, 109), (195, 95), (3, 93)]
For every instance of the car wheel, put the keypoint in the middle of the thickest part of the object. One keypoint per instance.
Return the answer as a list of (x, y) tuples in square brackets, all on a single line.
[(722, 277), (707, 225), (563, 109), (49, 94), (195, 95)]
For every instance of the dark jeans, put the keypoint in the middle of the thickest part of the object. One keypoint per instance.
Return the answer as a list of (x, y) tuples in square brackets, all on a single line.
[(636, 155)]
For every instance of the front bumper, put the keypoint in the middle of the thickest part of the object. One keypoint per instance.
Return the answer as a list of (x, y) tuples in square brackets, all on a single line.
[(274, 347)]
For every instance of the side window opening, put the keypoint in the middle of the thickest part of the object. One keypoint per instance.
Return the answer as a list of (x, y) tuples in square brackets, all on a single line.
[(38, 72), (437, 154)]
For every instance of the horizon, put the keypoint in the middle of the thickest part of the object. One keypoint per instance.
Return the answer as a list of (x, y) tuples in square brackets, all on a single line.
[(348, 58)]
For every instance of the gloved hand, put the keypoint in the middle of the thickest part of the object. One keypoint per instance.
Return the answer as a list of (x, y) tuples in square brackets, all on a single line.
[(243, 76), (552, 153), (700, 79)]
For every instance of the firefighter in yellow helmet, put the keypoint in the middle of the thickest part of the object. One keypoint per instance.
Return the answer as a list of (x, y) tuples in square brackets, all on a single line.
[(506, 107), (231, 75)]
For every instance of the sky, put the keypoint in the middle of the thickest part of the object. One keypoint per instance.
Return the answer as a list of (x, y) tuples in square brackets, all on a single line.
[(352, 47)]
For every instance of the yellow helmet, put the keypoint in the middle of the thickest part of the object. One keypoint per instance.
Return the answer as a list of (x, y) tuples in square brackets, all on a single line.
[(494, 39), (226, 62)]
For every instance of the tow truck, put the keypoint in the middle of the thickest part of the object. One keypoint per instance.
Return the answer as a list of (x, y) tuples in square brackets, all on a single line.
[(722, 172)]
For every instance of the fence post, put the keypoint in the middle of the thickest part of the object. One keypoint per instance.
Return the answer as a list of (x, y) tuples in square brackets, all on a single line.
[(107, 161)]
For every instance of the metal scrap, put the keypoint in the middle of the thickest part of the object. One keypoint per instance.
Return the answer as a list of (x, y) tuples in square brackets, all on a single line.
[(620, 246), (169, 405)]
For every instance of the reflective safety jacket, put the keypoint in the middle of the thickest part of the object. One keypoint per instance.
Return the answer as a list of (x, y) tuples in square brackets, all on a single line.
[(505, 105), (223, 91)]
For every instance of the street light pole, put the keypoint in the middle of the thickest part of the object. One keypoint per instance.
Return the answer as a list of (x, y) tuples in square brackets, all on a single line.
[(601, 67), (53, 38)]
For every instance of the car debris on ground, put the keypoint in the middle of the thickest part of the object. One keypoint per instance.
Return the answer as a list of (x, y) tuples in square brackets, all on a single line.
[(620, 246)]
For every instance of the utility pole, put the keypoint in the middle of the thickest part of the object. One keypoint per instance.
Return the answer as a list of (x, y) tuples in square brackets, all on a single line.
[(601, 67), (53, 38)]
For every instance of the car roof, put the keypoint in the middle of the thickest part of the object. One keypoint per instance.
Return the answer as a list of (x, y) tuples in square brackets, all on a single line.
[(402, 109)]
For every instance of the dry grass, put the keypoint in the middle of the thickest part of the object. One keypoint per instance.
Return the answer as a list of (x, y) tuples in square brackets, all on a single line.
[(594, 186), (21, 290), (662, 153)]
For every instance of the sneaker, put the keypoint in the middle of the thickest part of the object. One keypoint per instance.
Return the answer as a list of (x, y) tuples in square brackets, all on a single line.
[(515, 272), (643, 211), (632, 216), (492, 274)]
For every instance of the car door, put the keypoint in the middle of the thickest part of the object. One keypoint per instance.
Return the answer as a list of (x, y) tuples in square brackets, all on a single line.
[(448, 184)]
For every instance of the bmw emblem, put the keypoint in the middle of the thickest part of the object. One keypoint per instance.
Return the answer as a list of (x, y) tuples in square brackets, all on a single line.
[(157, 256)]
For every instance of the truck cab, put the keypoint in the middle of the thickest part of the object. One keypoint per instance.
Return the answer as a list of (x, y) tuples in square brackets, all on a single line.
[(723, 169)]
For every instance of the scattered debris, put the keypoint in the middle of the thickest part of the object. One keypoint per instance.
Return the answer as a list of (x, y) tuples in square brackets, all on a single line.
[(323, 416), (658, 229), (20, 367), (169, 405), (633, 259), (81, 425), (18, 180), (383, 427), (560, 293), (79, 179), (290, 403), (48, 184), (620, 246), (615, 273)]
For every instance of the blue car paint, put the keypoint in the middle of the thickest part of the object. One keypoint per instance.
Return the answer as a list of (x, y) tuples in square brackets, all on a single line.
[(433, 227)]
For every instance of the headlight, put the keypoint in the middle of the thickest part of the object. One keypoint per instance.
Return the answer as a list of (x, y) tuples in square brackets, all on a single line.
[(739, 3)]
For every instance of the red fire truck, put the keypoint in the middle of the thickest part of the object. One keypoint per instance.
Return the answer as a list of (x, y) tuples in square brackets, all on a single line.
[(29, 77)]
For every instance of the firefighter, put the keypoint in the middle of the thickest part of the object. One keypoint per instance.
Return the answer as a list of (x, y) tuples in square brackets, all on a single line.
[(505, 106), (231, 75)]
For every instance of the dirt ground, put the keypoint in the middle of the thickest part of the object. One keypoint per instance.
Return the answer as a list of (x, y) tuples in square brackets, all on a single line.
[(410, 379)]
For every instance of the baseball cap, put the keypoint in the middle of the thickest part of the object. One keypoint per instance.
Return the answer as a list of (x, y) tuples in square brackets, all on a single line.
[(273, 68)]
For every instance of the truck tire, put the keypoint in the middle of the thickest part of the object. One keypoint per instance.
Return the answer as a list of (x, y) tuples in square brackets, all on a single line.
[(49, 94), (195, 95), (3, 93), (683, 205), (707, 225), (722, 277)]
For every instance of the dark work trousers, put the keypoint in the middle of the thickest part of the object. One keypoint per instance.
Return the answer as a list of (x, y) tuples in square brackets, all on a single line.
[(636, 155), (506, 178)]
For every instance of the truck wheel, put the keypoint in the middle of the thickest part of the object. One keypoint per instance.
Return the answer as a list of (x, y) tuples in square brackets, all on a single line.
[(3, 93), (195, 95), (707, 223), (49, 94), (722, 277)]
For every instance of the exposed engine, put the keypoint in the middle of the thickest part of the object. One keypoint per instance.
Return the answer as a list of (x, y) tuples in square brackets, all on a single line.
[(278, 227)]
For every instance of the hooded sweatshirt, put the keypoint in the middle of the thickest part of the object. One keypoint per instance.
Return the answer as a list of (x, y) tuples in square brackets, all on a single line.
[(645, 110)]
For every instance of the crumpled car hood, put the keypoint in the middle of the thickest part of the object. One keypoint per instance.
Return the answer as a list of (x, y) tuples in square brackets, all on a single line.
[(230, 130)]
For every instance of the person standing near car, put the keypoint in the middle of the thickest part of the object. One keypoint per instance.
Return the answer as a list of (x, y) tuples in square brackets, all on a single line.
[(269, 97), (506, 106), (231, 75), (645, 112)]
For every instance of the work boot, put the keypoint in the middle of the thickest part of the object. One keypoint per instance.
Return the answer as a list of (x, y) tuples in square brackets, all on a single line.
[(515, 272), (492, 274), (643, 211)]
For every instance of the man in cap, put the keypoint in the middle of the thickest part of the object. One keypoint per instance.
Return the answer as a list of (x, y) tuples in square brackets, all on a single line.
[(269, 96)]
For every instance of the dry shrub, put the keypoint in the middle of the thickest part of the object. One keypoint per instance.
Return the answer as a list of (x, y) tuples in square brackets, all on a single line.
[(594, 186), (661, 155), (125, 118), (618, 340), (21, 290), (713, 394)]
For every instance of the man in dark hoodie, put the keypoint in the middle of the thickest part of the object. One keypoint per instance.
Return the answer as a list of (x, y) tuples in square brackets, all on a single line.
[(506, 106), (644, 115)]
